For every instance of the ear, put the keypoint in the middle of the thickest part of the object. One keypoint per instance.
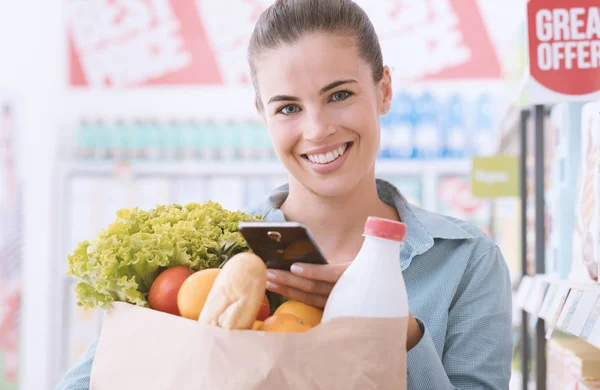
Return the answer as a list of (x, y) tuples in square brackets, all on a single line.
[(386, 91)]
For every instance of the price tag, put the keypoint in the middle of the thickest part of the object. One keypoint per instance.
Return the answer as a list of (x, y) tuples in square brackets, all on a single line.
[(523, 292), (582, 313), (591, 329), (556, 308), (536, 297), (548, 299), (569, 308)]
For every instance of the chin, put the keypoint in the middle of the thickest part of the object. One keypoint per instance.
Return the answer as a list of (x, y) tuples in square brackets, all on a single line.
[(330, 187)]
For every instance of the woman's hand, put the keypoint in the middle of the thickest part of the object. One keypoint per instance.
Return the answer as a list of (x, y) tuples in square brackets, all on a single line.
[(312, 283), (308, 283)]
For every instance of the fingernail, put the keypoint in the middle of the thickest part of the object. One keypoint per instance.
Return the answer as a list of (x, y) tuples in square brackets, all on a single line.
[(296, 268), (271, 285), (271, 275)]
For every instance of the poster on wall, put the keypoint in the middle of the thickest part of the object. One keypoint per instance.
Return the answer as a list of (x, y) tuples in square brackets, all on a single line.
[(10, 249), (137, 43)]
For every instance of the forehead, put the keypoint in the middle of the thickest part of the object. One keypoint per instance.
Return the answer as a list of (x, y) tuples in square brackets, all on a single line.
[(309, 64)]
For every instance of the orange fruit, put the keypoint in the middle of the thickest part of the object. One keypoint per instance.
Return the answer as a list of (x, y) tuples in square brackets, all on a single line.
[(308, 314), (194, 291), (257, 325), (284, 322)]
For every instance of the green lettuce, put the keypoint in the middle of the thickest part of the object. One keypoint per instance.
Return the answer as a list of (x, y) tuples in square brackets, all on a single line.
[(126, 257)]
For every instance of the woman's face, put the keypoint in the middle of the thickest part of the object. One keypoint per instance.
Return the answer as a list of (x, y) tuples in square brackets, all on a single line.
[(322, 107)]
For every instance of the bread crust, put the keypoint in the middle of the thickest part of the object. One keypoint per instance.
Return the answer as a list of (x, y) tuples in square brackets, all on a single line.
[(237, 294)]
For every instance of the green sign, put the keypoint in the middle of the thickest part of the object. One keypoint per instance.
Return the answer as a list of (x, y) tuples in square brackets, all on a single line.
[(495, 177)]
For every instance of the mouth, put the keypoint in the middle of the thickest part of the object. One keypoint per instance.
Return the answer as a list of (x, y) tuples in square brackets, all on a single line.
[(329, 157)]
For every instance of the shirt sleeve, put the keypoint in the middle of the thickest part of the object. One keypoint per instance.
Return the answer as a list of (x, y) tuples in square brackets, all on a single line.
[(78, 377), (478, 347)]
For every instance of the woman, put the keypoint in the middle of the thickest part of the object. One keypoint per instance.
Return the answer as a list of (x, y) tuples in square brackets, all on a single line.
[(321, 87)]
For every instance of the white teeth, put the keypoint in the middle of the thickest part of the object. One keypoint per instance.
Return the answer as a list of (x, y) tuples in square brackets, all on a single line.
[(327, 157)]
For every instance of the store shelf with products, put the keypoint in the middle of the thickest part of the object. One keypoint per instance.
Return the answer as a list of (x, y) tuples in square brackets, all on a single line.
[(558, 293), (565, 305)]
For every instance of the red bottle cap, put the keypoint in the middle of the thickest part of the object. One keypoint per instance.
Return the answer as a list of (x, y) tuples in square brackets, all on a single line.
[(385, 228)]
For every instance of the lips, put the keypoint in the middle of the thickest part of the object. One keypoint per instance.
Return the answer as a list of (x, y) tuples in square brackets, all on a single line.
[(327, 157)]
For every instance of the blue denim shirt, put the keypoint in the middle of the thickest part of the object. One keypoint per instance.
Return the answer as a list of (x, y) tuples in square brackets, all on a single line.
[(458, 288)]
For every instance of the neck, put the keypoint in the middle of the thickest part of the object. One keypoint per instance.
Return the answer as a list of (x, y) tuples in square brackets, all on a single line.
[(333, 220)]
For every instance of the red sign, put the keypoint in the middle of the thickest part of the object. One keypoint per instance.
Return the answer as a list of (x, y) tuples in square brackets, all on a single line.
[(127, 43), (138, 42), (564, 45)]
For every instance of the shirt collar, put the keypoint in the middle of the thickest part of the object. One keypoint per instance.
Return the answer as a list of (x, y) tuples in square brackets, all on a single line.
[(423, 227)]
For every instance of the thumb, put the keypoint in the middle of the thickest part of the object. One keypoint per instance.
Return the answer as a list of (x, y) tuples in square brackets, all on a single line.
[(323, 272)]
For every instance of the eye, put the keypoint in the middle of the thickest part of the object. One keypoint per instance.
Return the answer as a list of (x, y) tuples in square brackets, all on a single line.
[(289, 109), (341, 96)]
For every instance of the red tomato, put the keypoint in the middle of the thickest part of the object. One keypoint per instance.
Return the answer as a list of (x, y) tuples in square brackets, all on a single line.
[(163, 292), (265, 310)]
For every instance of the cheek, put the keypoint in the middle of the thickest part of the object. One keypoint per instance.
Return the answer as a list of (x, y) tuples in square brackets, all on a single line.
[(282, 136)]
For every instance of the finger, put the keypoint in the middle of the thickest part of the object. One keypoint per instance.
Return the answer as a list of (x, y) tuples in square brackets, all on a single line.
[(298, 295), (300, 283), (324, 272)]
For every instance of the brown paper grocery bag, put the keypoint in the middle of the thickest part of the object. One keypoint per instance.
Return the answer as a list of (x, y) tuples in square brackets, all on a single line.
[(141, 348)]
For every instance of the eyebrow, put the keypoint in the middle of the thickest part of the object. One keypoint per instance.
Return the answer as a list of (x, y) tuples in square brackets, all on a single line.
[(330, 86)]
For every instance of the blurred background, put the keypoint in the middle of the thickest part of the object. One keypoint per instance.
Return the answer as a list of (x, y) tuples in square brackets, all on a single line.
[(106, 104)]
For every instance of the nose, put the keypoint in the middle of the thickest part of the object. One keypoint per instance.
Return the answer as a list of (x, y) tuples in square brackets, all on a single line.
[(317, 128)]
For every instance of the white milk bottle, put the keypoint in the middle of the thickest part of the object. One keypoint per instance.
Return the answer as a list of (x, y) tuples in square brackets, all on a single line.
[(373, 285)]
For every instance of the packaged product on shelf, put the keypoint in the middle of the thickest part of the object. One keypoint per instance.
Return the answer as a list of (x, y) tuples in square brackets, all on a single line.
[(209, 148), (428, 139), (225, 140), (85, 139), (584, 266), (102, 139), (247, 150), (188, 138), (138, 139), (565, 120), (121, 139), (172, 139), (153, 131), (570, 361), (588, 385), (483, 135), (399, 139), (454, 127)]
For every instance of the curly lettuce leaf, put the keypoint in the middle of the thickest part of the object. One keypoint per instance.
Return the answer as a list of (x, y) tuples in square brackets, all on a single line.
[(123, 261)]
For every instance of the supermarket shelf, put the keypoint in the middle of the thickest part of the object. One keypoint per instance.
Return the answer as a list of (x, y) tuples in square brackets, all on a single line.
[(566, 305), (243, 168)]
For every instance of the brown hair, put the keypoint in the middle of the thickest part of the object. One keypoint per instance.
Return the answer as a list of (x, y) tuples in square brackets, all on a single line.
[(286, 21)]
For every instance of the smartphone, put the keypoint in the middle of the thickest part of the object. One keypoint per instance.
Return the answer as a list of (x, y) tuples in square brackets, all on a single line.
[(280, 244)]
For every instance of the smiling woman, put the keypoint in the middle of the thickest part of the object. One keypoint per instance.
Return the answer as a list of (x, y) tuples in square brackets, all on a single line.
[(321, 87)]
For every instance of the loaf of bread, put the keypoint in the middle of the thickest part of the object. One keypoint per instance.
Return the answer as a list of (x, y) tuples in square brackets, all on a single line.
[(237, 294)]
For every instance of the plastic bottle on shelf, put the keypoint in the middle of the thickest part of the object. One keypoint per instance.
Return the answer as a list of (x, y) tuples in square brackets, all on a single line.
[(121, 144), (226, 140), (455, 132), (153, 130), (102, 140), (401, 142), (428, 138), (210, 140), (172, 139), (373, 285), (483, 136), (85, 140), (187, 139)]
